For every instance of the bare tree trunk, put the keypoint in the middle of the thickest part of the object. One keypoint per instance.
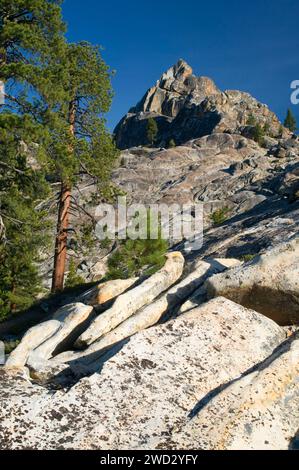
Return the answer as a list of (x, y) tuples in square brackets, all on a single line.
[(61, 238), (63, 221)]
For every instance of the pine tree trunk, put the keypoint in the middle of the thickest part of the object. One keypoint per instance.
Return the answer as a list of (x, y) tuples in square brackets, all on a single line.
[(63, 221), (61, 238)]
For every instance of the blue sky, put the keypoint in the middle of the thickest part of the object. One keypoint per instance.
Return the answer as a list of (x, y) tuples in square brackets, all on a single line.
[(251, 46)]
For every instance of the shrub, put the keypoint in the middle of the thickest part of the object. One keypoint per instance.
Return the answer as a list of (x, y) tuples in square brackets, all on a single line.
[(251, 121), (171, 144), (11, 345), (267, 128), (247, 257), (220, 215), (73, 278)]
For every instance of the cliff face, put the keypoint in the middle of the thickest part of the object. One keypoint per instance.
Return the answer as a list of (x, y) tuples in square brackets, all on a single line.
[(186, 107)]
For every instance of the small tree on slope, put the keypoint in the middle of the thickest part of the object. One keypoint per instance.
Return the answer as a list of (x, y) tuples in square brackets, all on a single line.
[(290, 121)]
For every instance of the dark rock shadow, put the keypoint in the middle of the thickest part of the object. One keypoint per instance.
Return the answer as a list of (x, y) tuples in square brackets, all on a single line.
[(294, 443)]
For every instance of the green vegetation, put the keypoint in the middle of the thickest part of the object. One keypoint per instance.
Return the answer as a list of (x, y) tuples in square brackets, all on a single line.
[(105, 244), (290, 121), (171, 144), (247, 257), (251, 121), (23, 228), (138, 257), (266, 129), (258, 134), (57, 94), (259, 131), (73, 278), (11, 345), (151, 131), (30, 33), (220, 215), (109, 193)]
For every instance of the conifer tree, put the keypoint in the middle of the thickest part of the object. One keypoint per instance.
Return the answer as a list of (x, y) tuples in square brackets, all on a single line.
[(258, 134), (151, 131), (30, 32), (63, 90), (138, 257), (24, 228), (82, 144), (290, 121)]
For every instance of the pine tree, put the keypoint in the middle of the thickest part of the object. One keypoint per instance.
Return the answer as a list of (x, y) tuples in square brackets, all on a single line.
[(73, 278), (30, 32), (24, 228), (64, 90), (81, 143), (258, 134), (151, 131), (290, 121), (138, 257)]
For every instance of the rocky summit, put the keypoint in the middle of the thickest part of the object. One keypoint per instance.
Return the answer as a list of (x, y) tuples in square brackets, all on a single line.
[(187, 107), (205, 352)]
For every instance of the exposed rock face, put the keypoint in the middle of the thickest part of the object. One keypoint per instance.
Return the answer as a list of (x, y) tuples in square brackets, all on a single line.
[(269, 284), (147, 391), (253, 412), (221, 171), (186, 107)]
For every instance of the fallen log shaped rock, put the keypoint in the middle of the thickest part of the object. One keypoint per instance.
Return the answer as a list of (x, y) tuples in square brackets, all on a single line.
[(146, 317), (130, 302), (106, 291), (71, 319), (33, 338)]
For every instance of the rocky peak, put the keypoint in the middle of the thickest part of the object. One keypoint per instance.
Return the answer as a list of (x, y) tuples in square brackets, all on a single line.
[(172, 91), (180, 71), (187, 107)]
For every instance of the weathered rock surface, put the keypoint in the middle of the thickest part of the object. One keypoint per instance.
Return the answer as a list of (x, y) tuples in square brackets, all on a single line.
[(186, 107), (2, 353), (257, 412), (147, 390), (269, 284), (128, 303)]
